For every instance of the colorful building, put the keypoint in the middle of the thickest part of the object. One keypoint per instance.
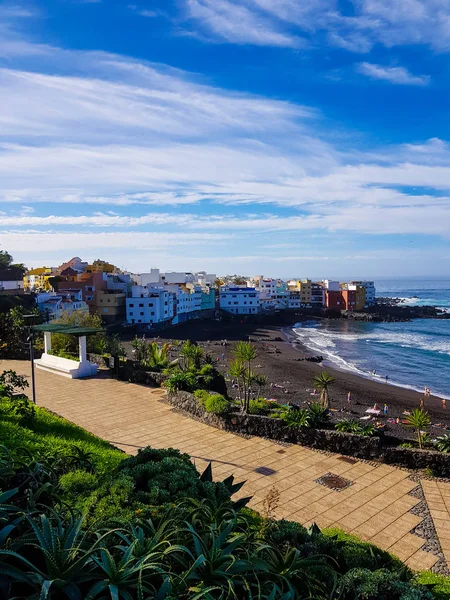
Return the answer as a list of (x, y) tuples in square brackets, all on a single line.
[(37, 279), (101, 266)]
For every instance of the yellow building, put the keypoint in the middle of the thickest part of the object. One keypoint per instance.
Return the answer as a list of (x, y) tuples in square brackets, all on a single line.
[(304, 286), (360, 297), (101, 266), (37, 279)]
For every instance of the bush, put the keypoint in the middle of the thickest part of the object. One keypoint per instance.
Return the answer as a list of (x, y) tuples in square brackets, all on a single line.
[(163, 476), (351, 426), (259, 406), (113, 502), (216, 404), (367, 585), (285, 533), (296, 418), (438, 585), (318, 415), (443, 443), (78, 483)]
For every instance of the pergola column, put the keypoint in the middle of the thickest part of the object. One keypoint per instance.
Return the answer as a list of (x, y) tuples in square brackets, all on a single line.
[(47, 341), (82, 348)]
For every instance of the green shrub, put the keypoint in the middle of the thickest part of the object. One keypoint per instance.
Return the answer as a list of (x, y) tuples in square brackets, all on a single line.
[(216, 404), (201, 395), (259, 406), (443, 443), (78, 483), (114, 501), (296, 418), (162, 476), (318, 416), (351, 426), (367, 585), (438, 585), (285, 533)]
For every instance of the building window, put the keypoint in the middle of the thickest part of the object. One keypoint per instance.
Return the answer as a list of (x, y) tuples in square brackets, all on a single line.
[(130, 313), (139, 321), (132, 321), (142, 314), (131, 305), (141, 306), (153, 314)]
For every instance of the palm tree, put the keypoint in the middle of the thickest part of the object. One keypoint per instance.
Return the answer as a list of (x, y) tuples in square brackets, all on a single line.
[(261, 381), (245, 352), (322, 383), (419, 419), (237, 371)]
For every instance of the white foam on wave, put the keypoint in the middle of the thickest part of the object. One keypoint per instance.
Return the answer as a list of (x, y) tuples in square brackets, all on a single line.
[(420, 341), (323, 341)]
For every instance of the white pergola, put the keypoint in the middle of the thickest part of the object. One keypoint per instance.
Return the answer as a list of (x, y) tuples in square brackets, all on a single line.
[(74, 369)]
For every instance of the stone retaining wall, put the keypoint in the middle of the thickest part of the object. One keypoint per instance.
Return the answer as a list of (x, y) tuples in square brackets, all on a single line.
[(357, 446), (275, 429)]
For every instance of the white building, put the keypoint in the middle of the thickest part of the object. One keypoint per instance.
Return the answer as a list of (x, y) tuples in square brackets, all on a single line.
[(332, 286), (11, 280), (239, 300), (369, 286), (267, 288), (54, 305), (149, 305), (203, 278)]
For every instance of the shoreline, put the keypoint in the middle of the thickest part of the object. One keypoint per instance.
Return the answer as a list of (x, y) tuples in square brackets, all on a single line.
[(329, 365), (292, 377)]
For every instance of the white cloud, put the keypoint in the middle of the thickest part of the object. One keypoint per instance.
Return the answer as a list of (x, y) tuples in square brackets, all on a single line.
[(397, 75), (286, 22), (147, 138), (239, 24)]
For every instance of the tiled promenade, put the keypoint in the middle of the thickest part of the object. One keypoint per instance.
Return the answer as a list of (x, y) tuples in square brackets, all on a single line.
[(375, 506)]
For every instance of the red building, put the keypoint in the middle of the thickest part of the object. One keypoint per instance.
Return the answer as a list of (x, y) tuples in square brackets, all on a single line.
[(335, 300), (349, 299)]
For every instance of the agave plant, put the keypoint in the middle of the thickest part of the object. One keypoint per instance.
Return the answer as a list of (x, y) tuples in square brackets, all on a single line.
[(443, 443), (296, 417), (60, 558), (318, 415)]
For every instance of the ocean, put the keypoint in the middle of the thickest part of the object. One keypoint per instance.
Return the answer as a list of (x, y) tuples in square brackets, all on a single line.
[(413, 355)]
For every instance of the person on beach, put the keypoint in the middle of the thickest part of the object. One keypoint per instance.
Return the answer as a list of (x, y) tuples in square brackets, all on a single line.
[(444, 403), (385, 409), (349, 398), (387, 378), (421, 404)]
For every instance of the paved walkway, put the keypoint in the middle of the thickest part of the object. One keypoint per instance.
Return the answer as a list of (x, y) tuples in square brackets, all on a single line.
[(376, 505)]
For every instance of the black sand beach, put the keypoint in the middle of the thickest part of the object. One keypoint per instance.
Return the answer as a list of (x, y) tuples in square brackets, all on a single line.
[(279, 359)]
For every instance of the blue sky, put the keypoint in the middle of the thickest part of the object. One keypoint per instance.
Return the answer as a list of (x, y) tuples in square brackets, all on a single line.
[(253, 136)]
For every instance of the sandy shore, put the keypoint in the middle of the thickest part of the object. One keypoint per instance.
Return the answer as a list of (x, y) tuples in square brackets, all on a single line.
[(279, 359)]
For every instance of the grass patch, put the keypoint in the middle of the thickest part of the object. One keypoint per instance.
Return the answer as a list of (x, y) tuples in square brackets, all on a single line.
[(49, 434)]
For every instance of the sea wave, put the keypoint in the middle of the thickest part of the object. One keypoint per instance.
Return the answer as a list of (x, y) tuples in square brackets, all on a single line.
[(421, 341), (357, 353)]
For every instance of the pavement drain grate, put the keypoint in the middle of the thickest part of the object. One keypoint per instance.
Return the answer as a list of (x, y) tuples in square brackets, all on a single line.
[(347, 459), (265, 471), (334, 482)]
